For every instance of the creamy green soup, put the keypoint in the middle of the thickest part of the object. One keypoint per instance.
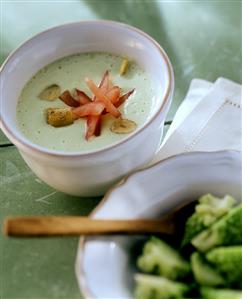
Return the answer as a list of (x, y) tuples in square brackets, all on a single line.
[(69, 73)]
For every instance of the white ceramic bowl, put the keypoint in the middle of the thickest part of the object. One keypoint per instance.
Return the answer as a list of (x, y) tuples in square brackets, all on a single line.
[(92, 173), (103, 266)]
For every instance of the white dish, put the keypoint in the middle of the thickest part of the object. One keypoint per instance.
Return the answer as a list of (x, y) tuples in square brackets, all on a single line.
[(91, 173), (103, 266)]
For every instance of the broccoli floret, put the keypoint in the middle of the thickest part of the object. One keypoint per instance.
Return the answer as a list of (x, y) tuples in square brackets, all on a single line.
[(226, 231), (159, 258), (228, 261), (210, 293), (194, 226), (204, 273), (155, 287), (208, 210)]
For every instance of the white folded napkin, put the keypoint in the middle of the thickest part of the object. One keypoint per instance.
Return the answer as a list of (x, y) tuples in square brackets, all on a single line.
[(209, 119)]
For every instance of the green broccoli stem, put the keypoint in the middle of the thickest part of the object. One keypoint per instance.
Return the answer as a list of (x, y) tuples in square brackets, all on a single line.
[(206, 240)]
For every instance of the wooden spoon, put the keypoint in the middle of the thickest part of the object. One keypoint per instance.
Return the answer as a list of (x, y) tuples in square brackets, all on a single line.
[(74, 226), (31, 226)]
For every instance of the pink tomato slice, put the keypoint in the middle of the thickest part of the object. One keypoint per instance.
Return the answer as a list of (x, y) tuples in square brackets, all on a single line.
[(113, 94), (89, 109), (104, 84), (94, 121), (68, 99), (123, 98), (101, 96), (82, 97), (93, 126)]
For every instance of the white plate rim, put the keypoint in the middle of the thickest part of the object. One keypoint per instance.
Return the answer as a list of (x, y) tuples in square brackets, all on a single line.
[(79, 271)]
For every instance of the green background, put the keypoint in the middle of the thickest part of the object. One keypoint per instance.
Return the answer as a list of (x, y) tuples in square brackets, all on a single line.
[(203, 40)]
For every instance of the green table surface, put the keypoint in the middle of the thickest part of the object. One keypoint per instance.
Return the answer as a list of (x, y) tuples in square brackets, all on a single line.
[(202, 38)]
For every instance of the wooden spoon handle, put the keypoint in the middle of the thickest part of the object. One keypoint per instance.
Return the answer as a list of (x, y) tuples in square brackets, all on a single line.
[(65, 225)]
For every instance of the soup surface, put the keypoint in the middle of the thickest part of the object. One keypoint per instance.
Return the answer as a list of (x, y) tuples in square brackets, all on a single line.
[(69, 73)]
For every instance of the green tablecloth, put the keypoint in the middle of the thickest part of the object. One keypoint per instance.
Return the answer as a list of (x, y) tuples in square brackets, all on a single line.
[(202, 38)]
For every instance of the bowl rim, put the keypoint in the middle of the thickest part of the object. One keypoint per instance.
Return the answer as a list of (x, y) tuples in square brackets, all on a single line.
[(81, 279), (42, 150)]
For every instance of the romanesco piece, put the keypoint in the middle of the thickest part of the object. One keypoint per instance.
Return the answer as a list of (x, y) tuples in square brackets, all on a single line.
[(155, 287), (208, 210), (226, 231), (210, 293), (204, 273), (160, 258), (228, 261)]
